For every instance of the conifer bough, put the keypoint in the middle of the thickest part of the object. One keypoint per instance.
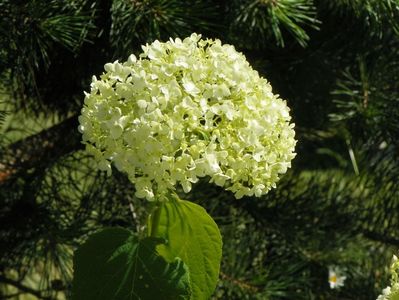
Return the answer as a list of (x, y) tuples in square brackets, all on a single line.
[(188, 109)]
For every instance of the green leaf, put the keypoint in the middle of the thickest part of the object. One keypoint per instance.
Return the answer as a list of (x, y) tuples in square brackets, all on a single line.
[(115, 264), (193, 236)]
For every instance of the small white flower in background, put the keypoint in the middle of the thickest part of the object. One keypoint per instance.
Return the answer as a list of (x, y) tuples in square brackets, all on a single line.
[(336, 277), (187, 109)]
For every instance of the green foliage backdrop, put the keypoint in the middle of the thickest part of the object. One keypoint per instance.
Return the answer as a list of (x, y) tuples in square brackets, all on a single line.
[(335, 62)]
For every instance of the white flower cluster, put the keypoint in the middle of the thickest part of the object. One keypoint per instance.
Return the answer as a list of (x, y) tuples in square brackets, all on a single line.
[(184, 110), (392, 292)]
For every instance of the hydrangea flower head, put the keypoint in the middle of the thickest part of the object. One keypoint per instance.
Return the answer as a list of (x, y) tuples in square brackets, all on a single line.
[(188, 109)]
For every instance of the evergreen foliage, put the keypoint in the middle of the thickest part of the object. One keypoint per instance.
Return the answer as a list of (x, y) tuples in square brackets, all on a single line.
[(255, 23), (135, 23), (336, 63)]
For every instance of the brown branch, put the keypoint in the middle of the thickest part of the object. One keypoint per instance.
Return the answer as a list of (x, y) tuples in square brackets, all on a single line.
[(12, 296), (49, 144), (375, 236), (365, 98), (267, 2), (22, 287), (240, 283)]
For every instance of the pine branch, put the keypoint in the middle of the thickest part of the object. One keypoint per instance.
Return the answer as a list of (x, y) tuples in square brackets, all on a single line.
[(41, 148), (260, 21), (379, 16), (136, 22), (32, 33), (366, 96), (240, 283), (375, 236), (22, 287), (3, 115)]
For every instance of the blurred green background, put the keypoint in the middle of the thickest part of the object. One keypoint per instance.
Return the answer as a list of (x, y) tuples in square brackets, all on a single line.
[(335, 62)]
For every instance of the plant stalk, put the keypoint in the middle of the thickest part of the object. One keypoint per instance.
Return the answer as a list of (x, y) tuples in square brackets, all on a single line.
[(154, 220)]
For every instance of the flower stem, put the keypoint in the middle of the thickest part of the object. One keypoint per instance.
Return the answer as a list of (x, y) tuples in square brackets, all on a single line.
[(154, 219)]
